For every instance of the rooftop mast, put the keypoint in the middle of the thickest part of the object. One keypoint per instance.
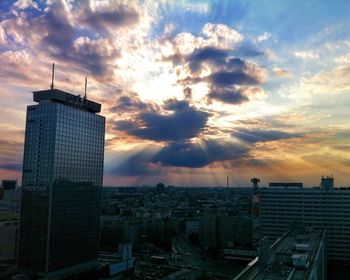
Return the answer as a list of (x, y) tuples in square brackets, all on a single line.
[(53, 76), (85, 87)]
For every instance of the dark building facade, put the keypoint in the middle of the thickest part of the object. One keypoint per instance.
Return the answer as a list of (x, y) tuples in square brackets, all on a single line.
[(62, 180)]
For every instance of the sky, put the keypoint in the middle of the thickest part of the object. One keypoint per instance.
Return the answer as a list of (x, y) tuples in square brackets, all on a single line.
[(192, 91)]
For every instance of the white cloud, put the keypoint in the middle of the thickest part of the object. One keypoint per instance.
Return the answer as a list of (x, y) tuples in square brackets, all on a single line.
[(263, 37), (307, 55), (24, 4), (215, 35), (343, 59), (3, 37), (198, 7)]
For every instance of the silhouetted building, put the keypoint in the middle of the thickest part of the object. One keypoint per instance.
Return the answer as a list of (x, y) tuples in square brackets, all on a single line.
[(9, 184), (327, 182), (62, 180), (160, 188), (9, 225), (318, 208)]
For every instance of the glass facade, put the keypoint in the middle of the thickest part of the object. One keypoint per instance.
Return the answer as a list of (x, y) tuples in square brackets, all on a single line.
[(62, 180)]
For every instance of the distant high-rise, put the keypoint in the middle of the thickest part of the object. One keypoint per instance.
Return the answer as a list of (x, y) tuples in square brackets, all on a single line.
[(62, 180)]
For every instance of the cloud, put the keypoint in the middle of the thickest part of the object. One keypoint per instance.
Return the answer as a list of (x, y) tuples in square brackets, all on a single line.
[(258, 135), (221, 34), (10, 155), (75, 34), (184, 122), (233, 71), (234, 96), (210, 54), (95, 56), (130, 103), (24, 4), (327, 82), (196, 155), (247, 48), (107, 18), (229, 78), (138, 164), (187, 93), (263, 37), (232, 80), (344, 148), (218, 36), (344, 59), (278, 72), (307, 55), (3, 37)]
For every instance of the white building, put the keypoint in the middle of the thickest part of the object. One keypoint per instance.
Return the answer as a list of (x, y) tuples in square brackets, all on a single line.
[(317, 208)]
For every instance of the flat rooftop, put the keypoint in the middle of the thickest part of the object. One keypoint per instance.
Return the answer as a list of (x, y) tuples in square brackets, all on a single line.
[(66, 98)]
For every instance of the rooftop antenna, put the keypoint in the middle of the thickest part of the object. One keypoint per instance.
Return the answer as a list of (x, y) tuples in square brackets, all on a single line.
[(53, 75), (85, 87), (227, 184)]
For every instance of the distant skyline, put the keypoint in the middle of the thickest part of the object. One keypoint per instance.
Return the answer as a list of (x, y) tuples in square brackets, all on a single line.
[(192, 91)]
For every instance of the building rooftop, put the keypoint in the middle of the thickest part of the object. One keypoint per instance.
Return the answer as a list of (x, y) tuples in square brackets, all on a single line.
[(66, 98), (291, 257)]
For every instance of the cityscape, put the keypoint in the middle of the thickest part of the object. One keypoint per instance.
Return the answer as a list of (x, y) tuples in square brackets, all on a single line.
[(174, 140)]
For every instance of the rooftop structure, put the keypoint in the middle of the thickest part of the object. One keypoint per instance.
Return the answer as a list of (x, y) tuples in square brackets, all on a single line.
[(286, 185), (294, 256)]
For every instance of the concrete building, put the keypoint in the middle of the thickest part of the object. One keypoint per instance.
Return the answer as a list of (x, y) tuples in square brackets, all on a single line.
[(11, 201), (294, 256), (9, 233), (282, 207), (218, 232), (62, 180), (208, 232), (192, 227)]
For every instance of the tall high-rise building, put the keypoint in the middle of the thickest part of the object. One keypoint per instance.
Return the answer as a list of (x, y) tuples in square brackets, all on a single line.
[(62, 180)]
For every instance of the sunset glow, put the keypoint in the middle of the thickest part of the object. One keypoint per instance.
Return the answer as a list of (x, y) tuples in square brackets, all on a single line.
[(192, 91)]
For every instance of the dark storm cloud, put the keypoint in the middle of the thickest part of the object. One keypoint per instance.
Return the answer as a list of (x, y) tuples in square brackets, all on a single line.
[(214, 55), (180, 154), (208, 54), (183, 154), (131, 103), (107, 19), (248, 49), (59, 31), (77, 35), (228, 78), (184, 122), (228, 96), (95, 56), (258, 135), (227, 73)]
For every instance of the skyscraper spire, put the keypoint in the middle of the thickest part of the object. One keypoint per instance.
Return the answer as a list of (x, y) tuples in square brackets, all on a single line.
[(85, 87), (53, 76)]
